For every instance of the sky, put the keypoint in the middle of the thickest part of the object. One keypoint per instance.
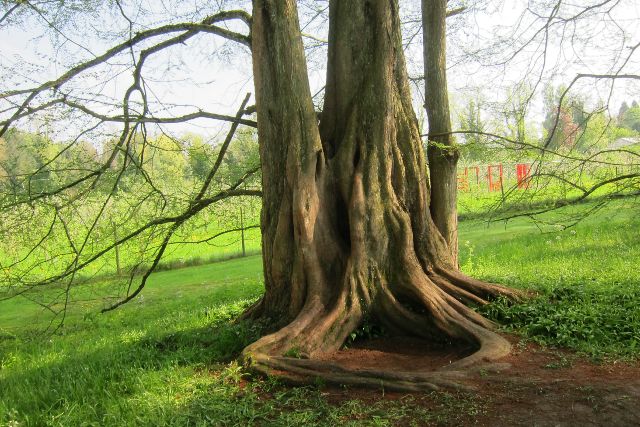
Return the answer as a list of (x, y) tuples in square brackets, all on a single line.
[(212, 74)]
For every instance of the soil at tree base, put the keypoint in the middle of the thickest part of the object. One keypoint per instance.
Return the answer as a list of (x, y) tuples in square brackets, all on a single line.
[(534, 386)]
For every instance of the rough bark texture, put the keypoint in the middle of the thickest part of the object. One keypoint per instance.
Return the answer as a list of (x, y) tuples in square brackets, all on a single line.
[(346, 227), (442, 159)]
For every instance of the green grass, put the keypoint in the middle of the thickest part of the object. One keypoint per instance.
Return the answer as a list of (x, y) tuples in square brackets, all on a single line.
[(167, 358), (586, 277), (477, 201), (224, 281), (30, 252)]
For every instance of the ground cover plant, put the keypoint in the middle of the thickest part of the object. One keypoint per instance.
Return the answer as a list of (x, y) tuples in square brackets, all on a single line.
[(585, 277), (168, 357)]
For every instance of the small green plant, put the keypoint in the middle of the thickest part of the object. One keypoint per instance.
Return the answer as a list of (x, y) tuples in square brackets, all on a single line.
[(562, 362), (369, 329), (294, 352), (468, 249), (232, 373)]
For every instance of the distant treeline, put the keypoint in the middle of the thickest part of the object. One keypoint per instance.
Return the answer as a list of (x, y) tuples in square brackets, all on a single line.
[(32, 163)]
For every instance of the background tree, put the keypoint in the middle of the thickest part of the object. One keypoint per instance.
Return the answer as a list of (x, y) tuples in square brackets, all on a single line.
[(631, 118), (475, 148), (563, 118), (623, 109)]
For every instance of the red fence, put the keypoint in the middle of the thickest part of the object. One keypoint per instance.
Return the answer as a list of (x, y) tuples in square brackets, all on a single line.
[(493, 176)]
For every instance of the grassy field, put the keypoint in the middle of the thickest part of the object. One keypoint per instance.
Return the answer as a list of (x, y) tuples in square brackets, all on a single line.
[(475, 199), (167, 357), (232, 280), (586, 276), (33, 249)]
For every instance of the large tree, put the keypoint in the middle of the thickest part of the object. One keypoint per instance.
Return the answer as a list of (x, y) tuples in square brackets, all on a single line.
[(356, 226), (347, 232)]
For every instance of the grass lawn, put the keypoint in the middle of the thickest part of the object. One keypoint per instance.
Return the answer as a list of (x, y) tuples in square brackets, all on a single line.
[(586, 277), (167, 358)]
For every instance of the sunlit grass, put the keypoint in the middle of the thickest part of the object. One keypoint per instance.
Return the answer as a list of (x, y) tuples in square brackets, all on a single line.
[(224, 281), (167, 358), (171, 363), (586, 277)]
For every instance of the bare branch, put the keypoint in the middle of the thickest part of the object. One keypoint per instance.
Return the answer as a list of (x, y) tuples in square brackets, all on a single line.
[(215, 236), (188, 29), (223, 149), (9, 12), (456, 11)]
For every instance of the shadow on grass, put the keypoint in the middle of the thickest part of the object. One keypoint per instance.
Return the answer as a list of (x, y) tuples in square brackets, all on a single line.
[(144, 378)]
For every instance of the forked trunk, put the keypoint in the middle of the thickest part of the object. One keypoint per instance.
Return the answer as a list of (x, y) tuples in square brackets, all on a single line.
[(346, 227)]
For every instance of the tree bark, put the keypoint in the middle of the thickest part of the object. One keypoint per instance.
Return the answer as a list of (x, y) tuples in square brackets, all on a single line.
[(346, 227), (443, 157)]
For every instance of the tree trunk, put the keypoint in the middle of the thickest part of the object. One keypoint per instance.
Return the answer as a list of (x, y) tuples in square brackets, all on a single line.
[(346, 227), (443, 157)]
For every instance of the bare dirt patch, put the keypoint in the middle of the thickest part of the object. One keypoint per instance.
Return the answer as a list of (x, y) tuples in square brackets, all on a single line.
[(398, 354), (533, 386)]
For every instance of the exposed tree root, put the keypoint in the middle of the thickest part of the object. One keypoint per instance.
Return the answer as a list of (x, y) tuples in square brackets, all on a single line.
[(480, 288), (303, 371), (289, 353)]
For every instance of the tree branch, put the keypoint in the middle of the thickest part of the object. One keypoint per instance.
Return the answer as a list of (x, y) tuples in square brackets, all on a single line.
[(10, 11), (190, 29), (456, 11)]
